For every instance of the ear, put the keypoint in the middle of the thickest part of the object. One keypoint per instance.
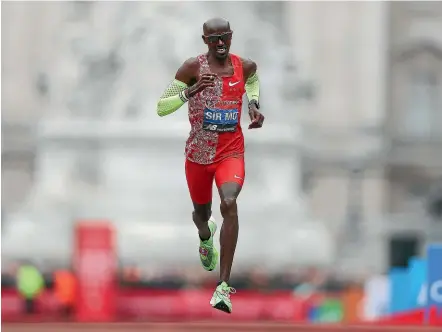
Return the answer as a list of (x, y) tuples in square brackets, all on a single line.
[(204, 39)]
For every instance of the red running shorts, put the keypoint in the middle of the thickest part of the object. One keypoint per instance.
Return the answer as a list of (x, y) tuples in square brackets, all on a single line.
[(200, 177)]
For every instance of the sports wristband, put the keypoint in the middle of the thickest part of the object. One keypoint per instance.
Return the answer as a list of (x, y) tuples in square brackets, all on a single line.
[(254, 102), (183, 97)]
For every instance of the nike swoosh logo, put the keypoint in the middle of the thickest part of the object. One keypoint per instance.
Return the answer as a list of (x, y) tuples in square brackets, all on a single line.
[(233, 83), (237, 177)]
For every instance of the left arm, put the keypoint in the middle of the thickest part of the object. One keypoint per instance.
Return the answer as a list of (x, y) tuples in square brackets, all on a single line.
[(252, 91), (252, 80)]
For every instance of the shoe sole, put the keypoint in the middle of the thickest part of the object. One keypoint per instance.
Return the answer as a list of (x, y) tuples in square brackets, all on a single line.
[(222, 307)]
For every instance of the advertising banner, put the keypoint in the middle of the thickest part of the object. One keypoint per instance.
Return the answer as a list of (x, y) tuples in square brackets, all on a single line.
[(95, 267), (434, 282)]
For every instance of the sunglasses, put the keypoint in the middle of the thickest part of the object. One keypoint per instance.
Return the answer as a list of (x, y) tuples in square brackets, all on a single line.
[(225, 37)]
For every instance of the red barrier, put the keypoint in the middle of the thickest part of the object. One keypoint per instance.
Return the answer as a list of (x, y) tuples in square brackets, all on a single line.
[(46, 305), (157, 305), (194, 304), (206, 326), (414, 317)]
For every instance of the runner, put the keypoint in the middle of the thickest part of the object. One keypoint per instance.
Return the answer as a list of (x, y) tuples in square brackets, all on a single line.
[(214, 84)]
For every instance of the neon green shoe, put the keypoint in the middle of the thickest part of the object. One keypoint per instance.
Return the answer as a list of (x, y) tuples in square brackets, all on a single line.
[(221, 298), (208, 252)]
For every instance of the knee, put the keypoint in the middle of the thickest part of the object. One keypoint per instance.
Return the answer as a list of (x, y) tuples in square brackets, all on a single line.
[(202, 214), (229, 207)]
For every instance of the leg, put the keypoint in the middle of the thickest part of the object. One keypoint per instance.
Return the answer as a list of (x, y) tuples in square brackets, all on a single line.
[(229, 230), (230, 227), (229, 178), (200, 216), (29, 306), (200, 183)]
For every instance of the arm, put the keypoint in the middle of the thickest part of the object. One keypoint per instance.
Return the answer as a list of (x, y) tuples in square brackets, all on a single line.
[(172, 99), (252, 81), (176, 94), (252, 91)]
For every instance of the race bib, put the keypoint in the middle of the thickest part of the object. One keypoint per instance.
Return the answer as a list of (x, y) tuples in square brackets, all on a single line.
[(219, 120)]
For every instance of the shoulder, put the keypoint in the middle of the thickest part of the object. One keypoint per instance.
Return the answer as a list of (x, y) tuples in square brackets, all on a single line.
[(191, 64), (249, 66), (248, 63), (188, 70)]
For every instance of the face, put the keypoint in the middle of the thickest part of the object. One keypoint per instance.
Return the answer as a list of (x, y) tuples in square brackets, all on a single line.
[(218, 42)]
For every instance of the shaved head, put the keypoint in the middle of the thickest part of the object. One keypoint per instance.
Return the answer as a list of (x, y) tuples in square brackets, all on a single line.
[(217, 36), (216, 24)]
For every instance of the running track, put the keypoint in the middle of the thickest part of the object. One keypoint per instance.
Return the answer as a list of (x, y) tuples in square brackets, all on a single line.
[(207, 326)]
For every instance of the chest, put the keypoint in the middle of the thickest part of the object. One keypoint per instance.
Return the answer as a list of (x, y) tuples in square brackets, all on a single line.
[(222, 71), (230, 80), (233, 86)]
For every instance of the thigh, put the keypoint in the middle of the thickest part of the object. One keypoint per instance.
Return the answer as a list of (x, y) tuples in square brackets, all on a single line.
[(200, 182), (230, 170)]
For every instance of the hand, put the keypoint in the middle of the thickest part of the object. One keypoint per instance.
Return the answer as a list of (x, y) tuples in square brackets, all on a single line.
[(255, 116), (205, 81)]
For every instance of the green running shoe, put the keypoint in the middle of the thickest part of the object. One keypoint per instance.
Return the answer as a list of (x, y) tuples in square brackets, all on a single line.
[(221, 298), (208, 252)]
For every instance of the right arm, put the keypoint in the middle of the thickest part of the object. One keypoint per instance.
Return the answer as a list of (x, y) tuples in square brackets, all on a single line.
[(183, 87), (175, 94), (173, 98)]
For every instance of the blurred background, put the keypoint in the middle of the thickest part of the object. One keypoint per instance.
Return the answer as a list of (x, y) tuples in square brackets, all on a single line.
[(343, 183)]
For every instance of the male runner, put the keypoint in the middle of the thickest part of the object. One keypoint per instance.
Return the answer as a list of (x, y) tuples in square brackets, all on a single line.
[(214, 84)]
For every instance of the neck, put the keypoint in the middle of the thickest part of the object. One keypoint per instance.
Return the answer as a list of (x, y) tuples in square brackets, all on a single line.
[(213, 59)]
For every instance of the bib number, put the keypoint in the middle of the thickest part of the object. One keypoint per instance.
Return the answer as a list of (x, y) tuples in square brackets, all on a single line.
[(221, 121)]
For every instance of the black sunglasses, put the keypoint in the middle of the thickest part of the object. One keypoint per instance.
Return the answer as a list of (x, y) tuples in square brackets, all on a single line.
[(225, 37)]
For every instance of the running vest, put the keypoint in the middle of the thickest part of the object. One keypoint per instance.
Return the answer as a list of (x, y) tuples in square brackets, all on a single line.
[(215, 117)]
